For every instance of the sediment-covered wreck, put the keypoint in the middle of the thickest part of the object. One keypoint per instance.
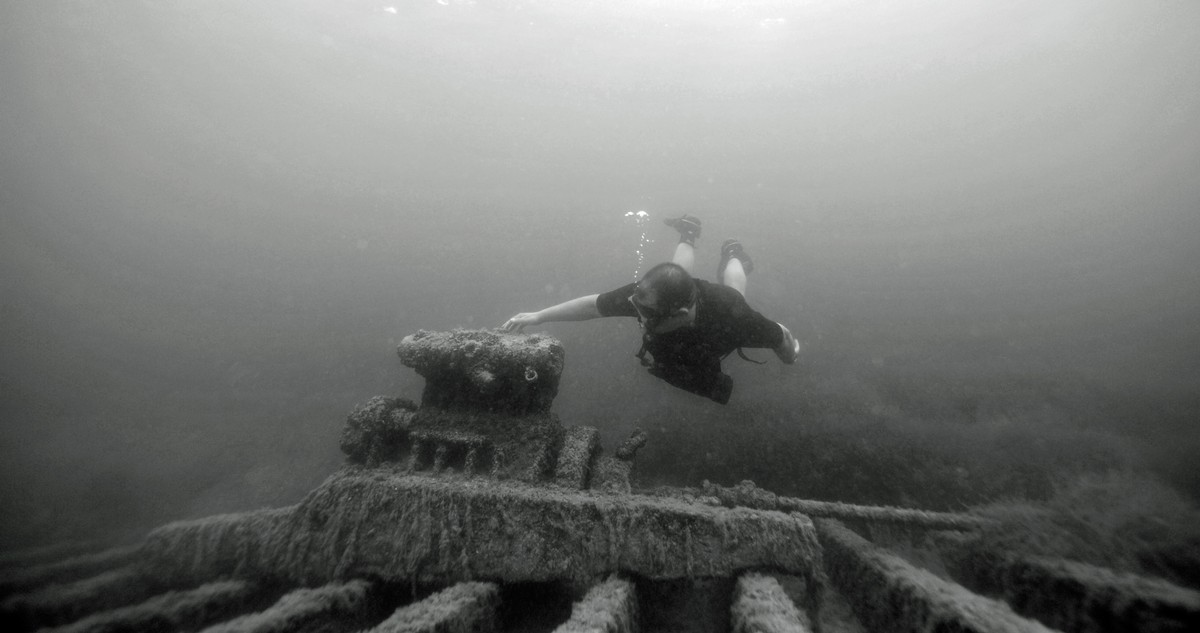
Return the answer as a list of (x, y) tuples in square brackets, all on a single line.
[(477, 510)]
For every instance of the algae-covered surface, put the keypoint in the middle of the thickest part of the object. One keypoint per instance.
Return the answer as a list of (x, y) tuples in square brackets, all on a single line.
[(889, 593), (468, 607), (485, 370), (335, 607), (1073, 595), (478, 495), (610, 606), (401, 526), (760, 605), (177, 610)]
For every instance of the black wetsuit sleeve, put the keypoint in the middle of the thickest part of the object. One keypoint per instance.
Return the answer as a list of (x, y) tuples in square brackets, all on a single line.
[(616, 302), (755, 330)]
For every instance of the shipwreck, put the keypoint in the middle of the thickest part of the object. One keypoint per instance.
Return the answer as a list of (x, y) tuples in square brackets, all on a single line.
[(476, 509)]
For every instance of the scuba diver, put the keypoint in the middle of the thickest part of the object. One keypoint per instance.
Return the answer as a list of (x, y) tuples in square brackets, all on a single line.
[(688, 325)]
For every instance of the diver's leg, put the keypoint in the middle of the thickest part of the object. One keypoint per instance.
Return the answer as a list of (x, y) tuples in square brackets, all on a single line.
[(735, 276), (735, 265), (689, 229), (685, 256)]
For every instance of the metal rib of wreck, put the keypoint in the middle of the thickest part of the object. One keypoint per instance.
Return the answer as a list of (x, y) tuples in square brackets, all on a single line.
[(479, 511)]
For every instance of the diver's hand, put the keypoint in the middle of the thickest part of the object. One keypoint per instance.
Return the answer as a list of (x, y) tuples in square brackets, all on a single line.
[(789, 349), (518, 322)]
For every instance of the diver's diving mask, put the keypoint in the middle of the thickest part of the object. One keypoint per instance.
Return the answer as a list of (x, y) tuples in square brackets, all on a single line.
[(656, 320)]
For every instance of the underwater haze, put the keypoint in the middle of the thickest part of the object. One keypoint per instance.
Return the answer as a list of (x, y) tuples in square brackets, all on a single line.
[(219, 218)]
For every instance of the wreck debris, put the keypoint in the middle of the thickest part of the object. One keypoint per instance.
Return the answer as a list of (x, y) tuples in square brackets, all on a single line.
[(889, 593), (575, 459), (485, 370), (630, 446), (424, 529), (335, 606), (177, 610), (1085, 597), (444, 506), (467, 607), (375, 429), (484, 410), (62, 603), (48, 554), (747, 495), (610, 606), (74, 568), (761, 606)]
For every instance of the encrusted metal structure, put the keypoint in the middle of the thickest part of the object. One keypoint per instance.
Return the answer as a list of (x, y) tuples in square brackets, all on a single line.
[(477, 510)]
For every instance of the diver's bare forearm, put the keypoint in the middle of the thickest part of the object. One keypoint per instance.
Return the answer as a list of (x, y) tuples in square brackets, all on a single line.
[(578, 309)]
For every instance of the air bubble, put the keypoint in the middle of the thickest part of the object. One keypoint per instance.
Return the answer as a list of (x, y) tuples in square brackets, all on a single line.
[(641, 218)]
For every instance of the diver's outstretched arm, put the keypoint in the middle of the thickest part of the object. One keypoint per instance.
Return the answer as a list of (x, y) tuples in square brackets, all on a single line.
[(578, 309)]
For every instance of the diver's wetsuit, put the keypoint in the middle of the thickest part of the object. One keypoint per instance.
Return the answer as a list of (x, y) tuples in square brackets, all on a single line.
[(690, 357)]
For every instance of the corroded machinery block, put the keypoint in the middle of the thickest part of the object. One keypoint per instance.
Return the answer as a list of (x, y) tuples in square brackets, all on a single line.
[(406, 527), (436, 441), (484, 414), (485, 370), (377, 430), (484, 410), (498, 446), (890, 594)]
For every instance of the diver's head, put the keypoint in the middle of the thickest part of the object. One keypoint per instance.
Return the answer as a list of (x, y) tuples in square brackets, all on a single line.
[(665, 298)]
